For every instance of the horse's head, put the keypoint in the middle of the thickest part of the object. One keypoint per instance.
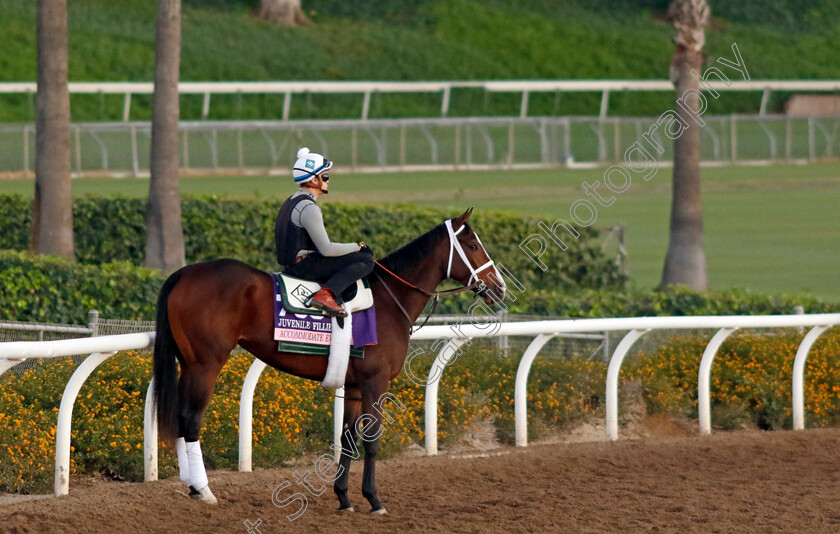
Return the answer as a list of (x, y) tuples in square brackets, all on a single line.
[(469, 262)]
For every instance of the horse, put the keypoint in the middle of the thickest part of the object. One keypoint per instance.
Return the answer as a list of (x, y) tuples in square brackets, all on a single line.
[(205, 310)]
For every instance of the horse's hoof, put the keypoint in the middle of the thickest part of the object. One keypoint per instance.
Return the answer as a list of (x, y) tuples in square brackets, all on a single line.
[(203, 495), (349, 509), (381, 511)]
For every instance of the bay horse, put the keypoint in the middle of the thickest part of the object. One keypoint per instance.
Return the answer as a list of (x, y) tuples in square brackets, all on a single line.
[(206, 309)]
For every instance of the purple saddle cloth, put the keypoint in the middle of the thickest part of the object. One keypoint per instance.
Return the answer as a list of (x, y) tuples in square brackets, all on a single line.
[(316, 330)]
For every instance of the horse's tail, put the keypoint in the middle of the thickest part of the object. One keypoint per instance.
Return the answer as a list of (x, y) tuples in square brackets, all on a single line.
[(165, 365)]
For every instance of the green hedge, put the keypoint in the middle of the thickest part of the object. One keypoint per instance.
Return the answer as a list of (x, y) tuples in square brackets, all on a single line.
[(110, 238), (113, 229), (675, 301), (47, 289)]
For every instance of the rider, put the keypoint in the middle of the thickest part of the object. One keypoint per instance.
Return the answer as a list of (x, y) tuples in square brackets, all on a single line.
[(303, 246)]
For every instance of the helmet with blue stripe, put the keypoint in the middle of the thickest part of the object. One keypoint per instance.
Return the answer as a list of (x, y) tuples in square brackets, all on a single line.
[(309, 165)]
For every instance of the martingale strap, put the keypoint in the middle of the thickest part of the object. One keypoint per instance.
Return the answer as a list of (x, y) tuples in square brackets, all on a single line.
[(411, 328)]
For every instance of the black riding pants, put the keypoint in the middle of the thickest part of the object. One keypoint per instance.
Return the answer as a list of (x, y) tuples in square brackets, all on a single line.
[(336, 273)]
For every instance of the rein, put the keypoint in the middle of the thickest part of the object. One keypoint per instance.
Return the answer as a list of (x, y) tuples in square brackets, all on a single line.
[(454, 246), (435, 294)]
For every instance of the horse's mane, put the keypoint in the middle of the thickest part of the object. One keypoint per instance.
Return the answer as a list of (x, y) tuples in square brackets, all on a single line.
[(410, 255)]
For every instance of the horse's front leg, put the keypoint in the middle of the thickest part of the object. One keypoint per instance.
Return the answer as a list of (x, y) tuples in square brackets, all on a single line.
[(352, 411), (371, 431)]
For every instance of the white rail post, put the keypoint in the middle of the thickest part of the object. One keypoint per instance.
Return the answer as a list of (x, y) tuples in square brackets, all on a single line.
[(65, 418), (287, 105), (523, 107), (520, 397), (6, 364), (150, 436), (444, 104), (605, 104), (246, 415), (612, 380), (127, 107), (135, 161), (704, 379), (798, 389), (26, 151), (366, 106), (205, 106), (338, 422), (432, 392), (93, 322), (799, 310), (765, 99)]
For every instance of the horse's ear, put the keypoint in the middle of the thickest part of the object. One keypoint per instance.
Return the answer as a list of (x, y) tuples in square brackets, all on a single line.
[(461, 219)]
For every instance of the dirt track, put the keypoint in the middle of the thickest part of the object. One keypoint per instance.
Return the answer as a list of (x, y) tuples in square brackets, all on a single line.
[(729, 482)]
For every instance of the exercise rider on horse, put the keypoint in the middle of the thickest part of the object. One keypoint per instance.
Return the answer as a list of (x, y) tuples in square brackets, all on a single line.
[(303, 246)]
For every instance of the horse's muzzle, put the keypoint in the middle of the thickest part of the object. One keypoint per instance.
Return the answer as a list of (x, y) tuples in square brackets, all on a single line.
[(491, 294)]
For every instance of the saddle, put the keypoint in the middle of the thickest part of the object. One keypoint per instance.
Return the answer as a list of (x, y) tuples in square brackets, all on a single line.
[(295, 293)]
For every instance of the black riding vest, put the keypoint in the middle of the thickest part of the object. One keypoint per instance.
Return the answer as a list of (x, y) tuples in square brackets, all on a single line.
[(288, 238)]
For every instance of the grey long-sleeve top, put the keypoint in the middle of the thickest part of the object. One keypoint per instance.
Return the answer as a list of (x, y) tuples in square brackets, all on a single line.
[(307, 215)]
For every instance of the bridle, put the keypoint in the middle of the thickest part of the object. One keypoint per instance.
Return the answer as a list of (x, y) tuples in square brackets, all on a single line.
[(454, 245)]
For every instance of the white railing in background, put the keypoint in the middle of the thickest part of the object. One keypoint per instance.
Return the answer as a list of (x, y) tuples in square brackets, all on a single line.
[(100, 348), (369, 88), (121, 149), (41, 328)]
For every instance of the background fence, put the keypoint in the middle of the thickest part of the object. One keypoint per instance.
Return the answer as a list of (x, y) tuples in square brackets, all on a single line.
[(23, 331), (122, 149)]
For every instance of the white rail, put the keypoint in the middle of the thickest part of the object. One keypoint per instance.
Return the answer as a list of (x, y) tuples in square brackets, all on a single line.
[(637, 327), (368, 88), (101, 348)]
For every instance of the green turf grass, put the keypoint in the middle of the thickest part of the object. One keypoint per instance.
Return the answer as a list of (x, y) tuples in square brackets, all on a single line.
[(772, 229)]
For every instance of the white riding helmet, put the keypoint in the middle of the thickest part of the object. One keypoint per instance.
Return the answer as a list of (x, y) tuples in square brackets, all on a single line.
[(308, 165)]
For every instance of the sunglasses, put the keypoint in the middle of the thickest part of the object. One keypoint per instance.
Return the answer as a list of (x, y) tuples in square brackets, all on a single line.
[(325, 177)]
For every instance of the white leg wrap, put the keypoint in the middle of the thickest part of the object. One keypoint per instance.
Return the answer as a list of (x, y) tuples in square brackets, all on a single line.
[(183, 462), (339, 352), (198, 476)]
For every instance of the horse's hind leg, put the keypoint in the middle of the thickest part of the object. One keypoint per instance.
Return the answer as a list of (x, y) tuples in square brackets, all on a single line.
[(352, 411), (372, 391), (195, 388)]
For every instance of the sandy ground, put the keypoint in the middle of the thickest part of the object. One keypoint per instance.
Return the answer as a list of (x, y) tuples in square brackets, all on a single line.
[(729, 482)]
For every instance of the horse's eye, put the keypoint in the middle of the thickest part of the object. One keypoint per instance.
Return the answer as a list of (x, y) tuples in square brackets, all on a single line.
[(473, 247)]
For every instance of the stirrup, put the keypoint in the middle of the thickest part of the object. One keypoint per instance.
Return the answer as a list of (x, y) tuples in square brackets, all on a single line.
[(327, 311)]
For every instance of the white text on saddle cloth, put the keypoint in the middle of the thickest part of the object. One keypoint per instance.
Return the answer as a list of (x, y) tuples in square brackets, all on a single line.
[(315, 329)]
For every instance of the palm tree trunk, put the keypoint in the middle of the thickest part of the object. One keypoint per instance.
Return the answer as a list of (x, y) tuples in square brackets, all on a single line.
[(165, 236), (282, 12), (685, 261), (52, 210)]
